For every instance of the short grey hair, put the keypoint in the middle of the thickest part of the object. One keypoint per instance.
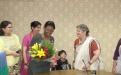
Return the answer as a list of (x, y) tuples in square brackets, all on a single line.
[(84, 28)]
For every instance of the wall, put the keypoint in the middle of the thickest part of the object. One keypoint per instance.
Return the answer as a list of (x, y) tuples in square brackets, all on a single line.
[(102, 17)]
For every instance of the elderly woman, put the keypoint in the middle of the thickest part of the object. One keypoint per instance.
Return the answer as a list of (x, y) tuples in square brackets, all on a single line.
[(117, 59), (9, 42), (87, 50)]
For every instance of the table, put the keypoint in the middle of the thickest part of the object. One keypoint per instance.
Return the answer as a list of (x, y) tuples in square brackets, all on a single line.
[(74, 72)]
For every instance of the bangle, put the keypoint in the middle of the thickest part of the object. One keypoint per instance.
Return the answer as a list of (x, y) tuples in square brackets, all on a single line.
[(89, 63), (25, 64)]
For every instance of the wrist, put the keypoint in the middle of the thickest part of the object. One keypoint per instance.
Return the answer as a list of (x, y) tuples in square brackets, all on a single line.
[(89, 62), (25, 63)]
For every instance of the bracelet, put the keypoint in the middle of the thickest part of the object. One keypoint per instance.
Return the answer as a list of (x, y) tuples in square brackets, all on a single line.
[(25, 64)]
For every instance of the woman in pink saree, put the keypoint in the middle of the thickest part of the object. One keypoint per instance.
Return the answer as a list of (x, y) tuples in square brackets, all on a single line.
[(35, 29)]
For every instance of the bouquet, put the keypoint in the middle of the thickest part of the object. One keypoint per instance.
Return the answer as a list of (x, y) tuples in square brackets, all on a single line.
[(42, 51)]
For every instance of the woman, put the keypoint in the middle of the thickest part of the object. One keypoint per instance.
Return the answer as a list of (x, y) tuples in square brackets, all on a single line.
[(49, 28), (87, 50), (117, 59), (9, 42), (35, 29)]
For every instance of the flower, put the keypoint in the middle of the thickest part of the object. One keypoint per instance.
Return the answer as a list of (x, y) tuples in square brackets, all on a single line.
[(42, 51), (35, 46)]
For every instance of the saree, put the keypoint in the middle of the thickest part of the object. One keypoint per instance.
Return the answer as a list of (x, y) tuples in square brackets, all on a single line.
[(118, 66), (83, 55), (26, 42)]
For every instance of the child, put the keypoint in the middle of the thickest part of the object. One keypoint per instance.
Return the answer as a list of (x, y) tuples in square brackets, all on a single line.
[(62, 62)]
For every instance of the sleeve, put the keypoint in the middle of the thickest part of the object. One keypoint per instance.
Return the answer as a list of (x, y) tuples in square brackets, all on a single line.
[(67, 61), (93, 47), (2, 47), (116, 53), (25, 41), (58, 66), (76, 42)]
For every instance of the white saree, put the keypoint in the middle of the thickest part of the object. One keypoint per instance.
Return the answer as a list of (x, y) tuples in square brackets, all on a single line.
[(83, 54), (118, 66)]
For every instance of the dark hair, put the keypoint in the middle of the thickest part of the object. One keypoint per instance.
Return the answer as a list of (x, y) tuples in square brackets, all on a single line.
[(62, 51), (35, 24), (49, 23), (3, 24), (83, 27)]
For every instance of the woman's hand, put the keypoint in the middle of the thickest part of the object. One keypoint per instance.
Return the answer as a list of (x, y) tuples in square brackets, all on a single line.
[(13, 53), (86, 67), (26, 67)]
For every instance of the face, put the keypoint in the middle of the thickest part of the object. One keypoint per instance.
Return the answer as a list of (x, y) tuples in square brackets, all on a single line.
[(48, 30), (63, 55), (8, 29), (80, 33), (36, 29)]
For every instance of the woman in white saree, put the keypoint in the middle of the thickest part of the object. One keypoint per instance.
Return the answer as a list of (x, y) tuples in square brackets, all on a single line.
[(117, 59), (87, 50)]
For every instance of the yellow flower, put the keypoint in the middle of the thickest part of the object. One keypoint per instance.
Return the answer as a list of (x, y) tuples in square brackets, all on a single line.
[(33, 55), (35, 46), (41, 53)]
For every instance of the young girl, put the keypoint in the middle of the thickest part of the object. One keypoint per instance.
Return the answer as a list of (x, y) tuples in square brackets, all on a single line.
[(62, 62)]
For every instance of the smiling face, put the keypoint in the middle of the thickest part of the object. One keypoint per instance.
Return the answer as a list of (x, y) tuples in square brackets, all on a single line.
[(8, 29), (80, 33), (63, 55), (48, 30), (36, 29)]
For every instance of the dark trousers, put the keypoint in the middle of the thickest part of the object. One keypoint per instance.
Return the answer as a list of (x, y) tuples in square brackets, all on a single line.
[(37, 67)]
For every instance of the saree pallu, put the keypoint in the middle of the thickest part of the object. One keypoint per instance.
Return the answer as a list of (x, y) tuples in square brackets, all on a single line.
[(26, 42)]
